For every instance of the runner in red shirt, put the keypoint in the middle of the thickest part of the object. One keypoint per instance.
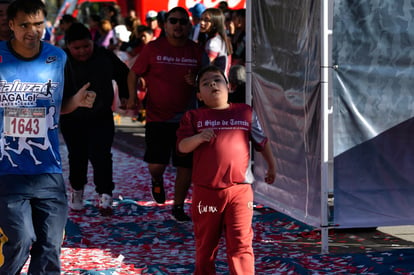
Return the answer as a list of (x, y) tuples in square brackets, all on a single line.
[(166, 67), (219, 134)]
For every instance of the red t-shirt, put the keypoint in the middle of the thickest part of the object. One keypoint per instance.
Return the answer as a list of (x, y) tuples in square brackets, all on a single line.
[(163, 67), (223, 161), (157, 32)]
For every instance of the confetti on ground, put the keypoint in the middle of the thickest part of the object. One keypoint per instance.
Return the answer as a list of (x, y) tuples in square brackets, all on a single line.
[(142, 238)]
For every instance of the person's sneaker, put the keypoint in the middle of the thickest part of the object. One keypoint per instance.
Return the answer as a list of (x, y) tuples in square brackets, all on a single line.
[(76, 200), (179, 215), (157, 192), (105, 205)]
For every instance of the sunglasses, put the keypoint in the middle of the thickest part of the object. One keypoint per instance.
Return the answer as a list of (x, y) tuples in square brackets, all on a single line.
[(173, 21)]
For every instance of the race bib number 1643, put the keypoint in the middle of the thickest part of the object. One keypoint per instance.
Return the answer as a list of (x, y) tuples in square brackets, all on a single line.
[(25, 122)]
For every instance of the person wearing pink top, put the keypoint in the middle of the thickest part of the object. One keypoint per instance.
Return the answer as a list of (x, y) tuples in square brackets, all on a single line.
[(218, 135), (166, 67)]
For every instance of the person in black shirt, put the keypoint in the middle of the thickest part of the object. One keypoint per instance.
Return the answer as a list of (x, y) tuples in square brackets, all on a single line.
[(89, 133)]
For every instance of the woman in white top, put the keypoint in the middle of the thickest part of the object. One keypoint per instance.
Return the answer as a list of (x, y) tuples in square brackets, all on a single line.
[(217, 45)]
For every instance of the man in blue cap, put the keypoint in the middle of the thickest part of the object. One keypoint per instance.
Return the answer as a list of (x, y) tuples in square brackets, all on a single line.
[(196, 12)]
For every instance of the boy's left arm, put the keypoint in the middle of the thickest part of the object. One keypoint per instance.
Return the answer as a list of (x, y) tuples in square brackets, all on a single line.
[(271, 163), (262, 144)]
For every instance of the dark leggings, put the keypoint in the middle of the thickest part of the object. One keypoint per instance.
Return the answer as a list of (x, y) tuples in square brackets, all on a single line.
[(92, 142)]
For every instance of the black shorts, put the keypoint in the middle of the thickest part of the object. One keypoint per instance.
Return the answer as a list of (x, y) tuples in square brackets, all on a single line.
[(160, 141)]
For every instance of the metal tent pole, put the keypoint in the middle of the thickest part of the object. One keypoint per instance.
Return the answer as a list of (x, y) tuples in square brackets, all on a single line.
[(248, 52), (326, 120)]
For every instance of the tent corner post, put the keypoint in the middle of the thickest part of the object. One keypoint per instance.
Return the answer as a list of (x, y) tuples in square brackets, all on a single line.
[(326, 11)]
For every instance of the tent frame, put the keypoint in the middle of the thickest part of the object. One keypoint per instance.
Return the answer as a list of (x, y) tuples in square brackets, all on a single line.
[(326, 107), (326, 119)]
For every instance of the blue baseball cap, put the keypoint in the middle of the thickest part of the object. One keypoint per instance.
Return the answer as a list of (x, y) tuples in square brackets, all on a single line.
[(197, 10)]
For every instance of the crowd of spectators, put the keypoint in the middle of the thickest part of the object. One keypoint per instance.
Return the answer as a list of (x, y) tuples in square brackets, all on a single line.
[(127, 36)]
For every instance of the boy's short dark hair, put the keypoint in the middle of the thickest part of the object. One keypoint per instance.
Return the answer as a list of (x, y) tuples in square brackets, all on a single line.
[(77, 31), (26, 6), (206, 69)]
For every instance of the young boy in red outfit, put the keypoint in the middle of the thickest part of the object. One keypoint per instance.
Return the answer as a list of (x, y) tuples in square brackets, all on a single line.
[(219, 134)]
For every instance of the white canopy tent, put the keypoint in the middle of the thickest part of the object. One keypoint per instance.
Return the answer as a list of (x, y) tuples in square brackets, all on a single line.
[(332, 80)]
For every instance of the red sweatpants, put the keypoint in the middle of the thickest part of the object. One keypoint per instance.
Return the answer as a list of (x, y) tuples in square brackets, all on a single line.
[(230, 211)]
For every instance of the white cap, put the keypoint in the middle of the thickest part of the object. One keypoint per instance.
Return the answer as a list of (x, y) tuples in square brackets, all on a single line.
[(152, 14), (122, 33)]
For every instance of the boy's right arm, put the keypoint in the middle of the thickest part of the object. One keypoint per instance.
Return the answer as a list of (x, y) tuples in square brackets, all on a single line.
[(83, 98), (189, 144)]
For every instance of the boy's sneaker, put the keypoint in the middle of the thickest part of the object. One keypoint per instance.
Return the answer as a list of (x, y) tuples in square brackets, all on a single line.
[(76, 200), (105, 205), (179, 214), (157, 192)]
